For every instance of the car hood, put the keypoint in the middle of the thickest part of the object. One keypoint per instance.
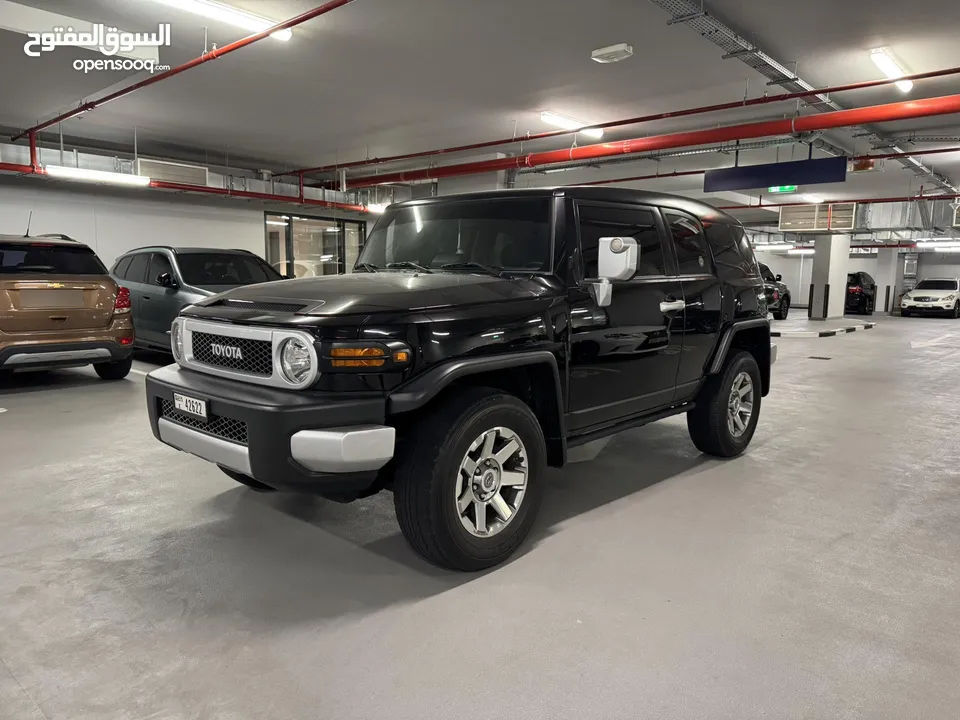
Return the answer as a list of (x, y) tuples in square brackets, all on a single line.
[(935, 294), (387, 291)]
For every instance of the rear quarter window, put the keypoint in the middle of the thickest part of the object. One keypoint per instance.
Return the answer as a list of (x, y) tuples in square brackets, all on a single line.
[(732, 254), (16, 258)]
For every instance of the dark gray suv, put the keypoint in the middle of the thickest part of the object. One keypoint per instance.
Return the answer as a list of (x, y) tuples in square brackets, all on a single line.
[(164, 280)]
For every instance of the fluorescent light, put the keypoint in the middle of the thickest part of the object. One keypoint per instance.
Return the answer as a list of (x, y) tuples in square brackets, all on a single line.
[(888, 66), (556, 170), (228, 15), (612, 53), (376, 208), (937, 244), (551, 118), (326, 258), (815, 199), (801, 251), (333, 229), (774, 246), (98, 176), (276, 222)]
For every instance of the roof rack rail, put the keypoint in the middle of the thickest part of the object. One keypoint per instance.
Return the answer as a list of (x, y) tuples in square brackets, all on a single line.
[(59, 236)]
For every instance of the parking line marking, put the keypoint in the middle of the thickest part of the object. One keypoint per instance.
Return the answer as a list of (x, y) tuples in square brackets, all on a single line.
[(138, 372)]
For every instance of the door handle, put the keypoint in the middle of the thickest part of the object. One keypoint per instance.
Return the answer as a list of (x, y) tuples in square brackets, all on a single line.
[(144, 297), (671, 306)]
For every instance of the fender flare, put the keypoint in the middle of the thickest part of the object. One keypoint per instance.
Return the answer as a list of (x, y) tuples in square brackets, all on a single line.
[(726, 340), (420, 390)]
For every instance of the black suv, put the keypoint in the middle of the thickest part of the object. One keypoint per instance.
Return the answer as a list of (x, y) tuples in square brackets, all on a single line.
[(777, 293), (861, 293), (480, 338)]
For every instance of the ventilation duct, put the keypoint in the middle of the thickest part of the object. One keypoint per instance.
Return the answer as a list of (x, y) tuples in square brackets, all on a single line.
[(839, 217), (173, 172)]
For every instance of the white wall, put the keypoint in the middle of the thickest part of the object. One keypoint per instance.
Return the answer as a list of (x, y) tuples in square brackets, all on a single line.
[(938, 265), (789, 267), (113, 224)]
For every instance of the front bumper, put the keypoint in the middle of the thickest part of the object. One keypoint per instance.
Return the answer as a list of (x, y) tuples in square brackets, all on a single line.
[(333, 446), (927, 308)]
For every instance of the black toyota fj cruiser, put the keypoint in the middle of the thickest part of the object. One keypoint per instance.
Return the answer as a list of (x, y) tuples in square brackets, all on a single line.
[(479, 338)]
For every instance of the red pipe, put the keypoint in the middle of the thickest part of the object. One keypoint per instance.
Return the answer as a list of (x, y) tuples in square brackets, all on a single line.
[(11, 167), (206, 57), (885, 156), (34, 155), (767, 99), (908, 110), (163, 185), (859, 201)]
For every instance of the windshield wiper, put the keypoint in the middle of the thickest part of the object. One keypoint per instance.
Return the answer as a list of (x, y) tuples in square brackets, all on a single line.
[(408, 264), (490, 270), (369, 267)]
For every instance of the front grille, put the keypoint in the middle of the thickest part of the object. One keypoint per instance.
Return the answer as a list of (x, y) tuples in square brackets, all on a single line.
[(253, 305), (255, 356), (225, 428), (922, 299)]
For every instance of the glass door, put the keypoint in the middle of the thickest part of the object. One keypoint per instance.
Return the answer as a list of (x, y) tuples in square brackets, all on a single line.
[(301, 246)]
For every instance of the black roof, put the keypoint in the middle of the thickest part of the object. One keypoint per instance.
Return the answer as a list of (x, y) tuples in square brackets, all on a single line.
[(697, 208)]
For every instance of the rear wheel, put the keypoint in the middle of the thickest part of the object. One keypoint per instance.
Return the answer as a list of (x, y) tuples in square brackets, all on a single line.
[(469, 479), (869, 308), (725, 416), (254, 485), (116, 370), (781, 312)]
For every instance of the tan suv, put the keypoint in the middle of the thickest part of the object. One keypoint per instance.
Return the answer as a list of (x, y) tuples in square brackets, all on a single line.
[(59, 307)]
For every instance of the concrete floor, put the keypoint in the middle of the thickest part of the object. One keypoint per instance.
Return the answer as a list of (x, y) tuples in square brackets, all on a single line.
[(817, 576)]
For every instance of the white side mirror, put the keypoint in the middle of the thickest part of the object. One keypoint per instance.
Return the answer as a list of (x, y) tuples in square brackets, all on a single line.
[(618, 258)]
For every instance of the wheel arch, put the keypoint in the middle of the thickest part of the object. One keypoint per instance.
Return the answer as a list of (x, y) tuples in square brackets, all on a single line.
[(533, 377), (752, 336)]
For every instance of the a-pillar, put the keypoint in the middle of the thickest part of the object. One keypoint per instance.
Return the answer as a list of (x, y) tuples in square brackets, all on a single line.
[(828, 281), (886, 279)]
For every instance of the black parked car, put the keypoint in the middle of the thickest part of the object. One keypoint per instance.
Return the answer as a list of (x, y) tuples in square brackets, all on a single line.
[(481, 337), (861, 294), (164, 280), (777, 293)]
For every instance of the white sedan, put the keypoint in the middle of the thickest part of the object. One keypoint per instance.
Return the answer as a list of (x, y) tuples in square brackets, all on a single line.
[(933, 296)]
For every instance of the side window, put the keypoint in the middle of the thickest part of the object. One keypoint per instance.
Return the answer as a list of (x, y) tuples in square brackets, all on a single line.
[(159, 264), (137, 272), (120, 269), (692, 256), (597, 222), (732, 253)]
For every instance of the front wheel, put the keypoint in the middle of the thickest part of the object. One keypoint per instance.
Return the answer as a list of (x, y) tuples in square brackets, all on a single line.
[(469, 479), (783, 310), (116, 370), (725, 415)]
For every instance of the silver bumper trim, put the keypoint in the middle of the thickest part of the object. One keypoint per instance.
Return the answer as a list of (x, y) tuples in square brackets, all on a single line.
[(57, 356), (773, 353), (230, 455), (343, 450)]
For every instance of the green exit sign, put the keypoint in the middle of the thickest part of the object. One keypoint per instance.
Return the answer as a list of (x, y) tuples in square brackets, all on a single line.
[(782, 189)]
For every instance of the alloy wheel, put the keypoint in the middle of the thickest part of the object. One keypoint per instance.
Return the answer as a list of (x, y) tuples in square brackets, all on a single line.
[(491, 482), (740, 404)]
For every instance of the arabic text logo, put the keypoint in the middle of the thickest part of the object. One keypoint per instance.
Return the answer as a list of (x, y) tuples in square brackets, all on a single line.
[(108, 40)]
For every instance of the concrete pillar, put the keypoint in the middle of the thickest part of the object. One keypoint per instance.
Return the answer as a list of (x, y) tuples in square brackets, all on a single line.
[(829, 277), (886, 278)]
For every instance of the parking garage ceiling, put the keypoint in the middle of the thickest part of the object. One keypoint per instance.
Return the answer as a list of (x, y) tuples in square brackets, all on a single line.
[(473, 71)]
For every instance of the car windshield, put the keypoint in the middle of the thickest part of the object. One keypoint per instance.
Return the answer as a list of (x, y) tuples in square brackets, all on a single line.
[(508, 234), (43, 257), (209, 269), (936, 285)]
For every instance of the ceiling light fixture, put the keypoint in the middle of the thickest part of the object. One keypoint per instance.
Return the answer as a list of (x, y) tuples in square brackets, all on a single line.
[(561, 121), (938, 244), (801, 251), (774, 246), (276, 222), (96, 176), (612, 53), (376, 208), (228, 15), (889, 67)]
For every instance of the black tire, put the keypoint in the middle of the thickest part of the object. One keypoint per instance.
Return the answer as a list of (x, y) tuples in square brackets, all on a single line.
[(707, 422), (116, 370), (956, 309), (781, 312), (904, 313), (869, 308), (427, 470), (254, 485)]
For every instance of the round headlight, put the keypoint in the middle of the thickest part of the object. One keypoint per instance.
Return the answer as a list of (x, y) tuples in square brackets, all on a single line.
[(295, 362), (176, 341)]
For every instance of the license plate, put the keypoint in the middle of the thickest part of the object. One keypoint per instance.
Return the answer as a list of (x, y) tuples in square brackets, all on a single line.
[(190, 406)]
